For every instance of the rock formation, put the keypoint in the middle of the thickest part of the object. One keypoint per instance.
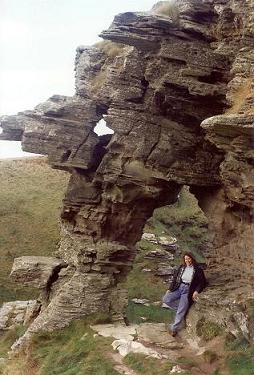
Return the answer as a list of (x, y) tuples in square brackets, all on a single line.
[(178, 94)]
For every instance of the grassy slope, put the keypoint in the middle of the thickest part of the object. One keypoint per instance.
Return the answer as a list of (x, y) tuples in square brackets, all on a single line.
[(30, 200), (72, 351)]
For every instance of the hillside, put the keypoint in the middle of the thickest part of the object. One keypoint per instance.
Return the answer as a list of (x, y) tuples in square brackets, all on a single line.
[(31, 194)]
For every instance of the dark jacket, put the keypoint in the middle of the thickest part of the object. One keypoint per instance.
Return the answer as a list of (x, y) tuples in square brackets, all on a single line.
[(198, 282)]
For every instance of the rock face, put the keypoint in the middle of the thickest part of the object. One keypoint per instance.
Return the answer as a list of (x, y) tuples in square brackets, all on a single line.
[(18, 312), (36, 271), (178, 95)]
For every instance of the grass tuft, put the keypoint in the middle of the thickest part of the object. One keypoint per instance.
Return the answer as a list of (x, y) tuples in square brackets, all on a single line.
[(240, 355), (147, 366), (98, 81), (207, 330), (71, 351), (168, 9), (111, 49)]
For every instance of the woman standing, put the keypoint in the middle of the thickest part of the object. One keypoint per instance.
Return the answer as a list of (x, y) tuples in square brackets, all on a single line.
[(188, 281)]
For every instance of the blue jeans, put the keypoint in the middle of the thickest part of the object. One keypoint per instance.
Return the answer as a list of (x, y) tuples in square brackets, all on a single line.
[(178, 301)]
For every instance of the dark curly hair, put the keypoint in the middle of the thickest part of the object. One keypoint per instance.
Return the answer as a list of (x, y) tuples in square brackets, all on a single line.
[(191, 256)]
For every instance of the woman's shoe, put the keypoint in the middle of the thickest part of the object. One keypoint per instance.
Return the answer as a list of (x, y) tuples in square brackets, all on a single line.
[(173, 333)]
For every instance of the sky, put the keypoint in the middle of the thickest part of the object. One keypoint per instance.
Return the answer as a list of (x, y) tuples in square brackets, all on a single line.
[(38, 39)]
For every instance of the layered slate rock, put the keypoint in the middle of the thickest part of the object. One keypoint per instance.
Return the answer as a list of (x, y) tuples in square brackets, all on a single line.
[(170, 75), (18, 312), (36, 271)]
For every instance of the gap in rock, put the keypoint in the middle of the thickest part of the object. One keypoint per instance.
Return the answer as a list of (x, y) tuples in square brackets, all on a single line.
[(171, 231), (102, 129), (185, 221)]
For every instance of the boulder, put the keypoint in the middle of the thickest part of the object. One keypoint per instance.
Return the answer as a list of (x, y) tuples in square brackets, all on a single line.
[(157, 334), (159, 255), (177, 370), (164, 270), (140, 301), (149, 237), (118, 331), (125, 347), (166, 241), (36, 271)]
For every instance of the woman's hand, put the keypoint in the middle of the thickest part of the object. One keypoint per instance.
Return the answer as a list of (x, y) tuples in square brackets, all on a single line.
[(195, 296)]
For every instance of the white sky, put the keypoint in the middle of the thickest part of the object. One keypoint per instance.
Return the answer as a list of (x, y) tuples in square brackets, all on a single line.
[(38, 39)]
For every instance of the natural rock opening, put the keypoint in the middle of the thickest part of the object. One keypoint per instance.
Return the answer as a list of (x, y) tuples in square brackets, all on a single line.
[(101, 128)]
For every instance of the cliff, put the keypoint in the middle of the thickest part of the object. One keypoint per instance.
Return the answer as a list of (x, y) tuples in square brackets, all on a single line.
[(177, 90)]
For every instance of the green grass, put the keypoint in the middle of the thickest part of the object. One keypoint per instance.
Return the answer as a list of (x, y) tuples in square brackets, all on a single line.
[(7, 338), (147, 366), (207, 330), (240, 356), (250, 308), (135, 313), (71, 351), (142, 284), (30, 201), (150, 366)]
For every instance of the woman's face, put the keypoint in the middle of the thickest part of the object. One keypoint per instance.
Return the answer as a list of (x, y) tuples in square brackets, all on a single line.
[(187, 260)]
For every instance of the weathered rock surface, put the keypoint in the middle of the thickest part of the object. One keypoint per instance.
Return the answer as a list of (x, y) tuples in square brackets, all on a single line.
[(140, 338), (171, 76), (177, 370), (140, 301), (164, 270), (222, 309), (160, 255), (117, 331), (18, 313), (125, 347), (36, 271), (160, 240), (157, 334)]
